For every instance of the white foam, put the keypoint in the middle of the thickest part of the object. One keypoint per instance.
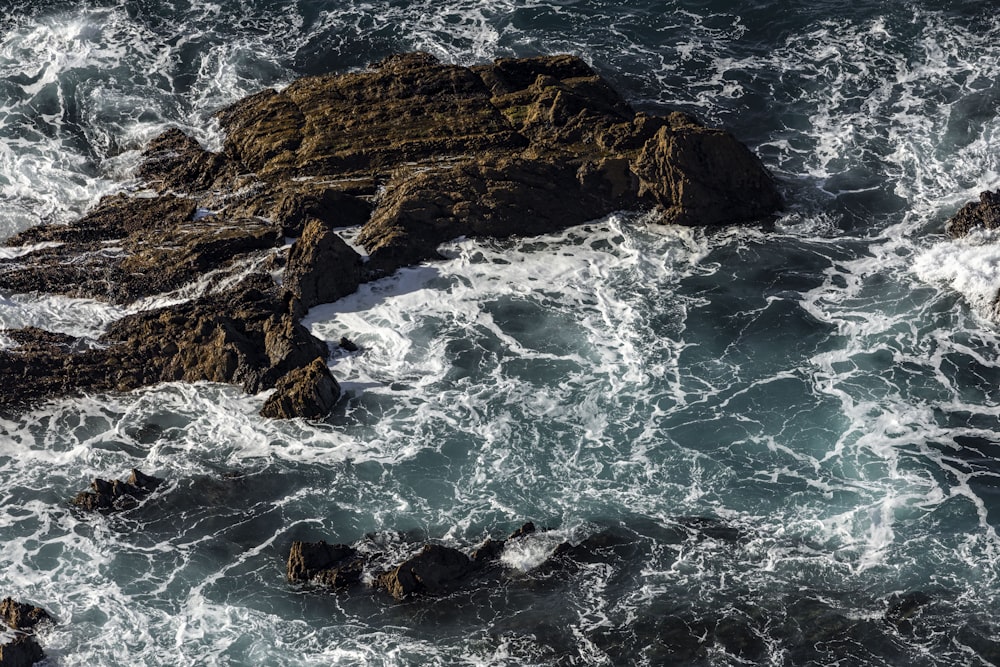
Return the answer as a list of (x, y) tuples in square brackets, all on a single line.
[(969, 265)]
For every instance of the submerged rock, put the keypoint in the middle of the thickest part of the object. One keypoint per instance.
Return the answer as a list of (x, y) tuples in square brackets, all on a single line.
[(111, 495), (413, 151), (905, 609)]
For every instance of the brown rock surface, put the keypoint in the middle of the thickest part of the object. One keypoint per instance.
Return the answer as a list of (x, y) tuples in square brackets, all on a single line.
[(983, 214), (22, 616), (336, 565), (321, 266), (309, 392), (116, 494), (416, 151)]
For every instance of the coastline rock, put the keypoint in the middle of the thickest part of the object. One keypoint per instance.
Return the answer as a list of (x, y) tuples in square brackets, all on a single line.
[(19, 648), (116, 495), (321, 266), (22, 616), (413, 151), (984, 214), (309, 392)]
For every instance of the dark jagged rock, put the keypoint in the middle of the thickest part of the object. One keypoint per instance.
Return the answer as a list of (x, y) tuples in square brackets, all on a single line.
[(309, 392), (435, 570), (22, 616), (109, 495), (20, 648), (130, 248), (336, 565), (321, 266), (414, 151), (347, 344), (703, 176), (984, 214), (20, 651)]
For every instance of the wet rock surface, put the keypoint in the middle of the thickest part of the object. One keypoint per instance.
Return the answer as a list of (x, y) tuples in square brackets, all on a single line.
[(983, 214), (309, 392), (18, 646), (413, 151), (20, 650), (21, 615), (115, 494)]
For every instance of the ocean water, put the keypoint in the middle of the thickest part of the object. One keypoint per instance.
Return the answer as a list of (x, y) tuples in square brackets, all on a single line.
[(777, 433)]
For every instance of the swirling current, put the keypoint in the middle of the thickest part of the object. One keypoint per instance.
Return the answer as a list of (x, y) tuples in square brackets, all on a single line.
[(783, 435)]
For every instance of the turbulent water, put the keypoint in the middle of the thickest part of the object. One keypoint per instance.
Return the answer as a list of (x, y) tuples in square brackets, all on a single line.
[(784, 430)]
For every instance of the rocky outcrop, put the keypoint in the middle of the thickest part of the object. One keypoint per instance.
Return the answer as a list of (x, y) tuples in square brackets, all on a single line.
[(116, 495), (22, 616), (984, 214), (321, 266), (433, 570), (309, 392), (413, 151), (336, 566), (18, 647)]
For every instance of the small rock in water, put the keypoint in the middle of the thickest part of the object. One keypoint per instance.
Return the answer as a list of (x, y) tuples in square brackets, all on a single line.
[(903, 610), (348, 344), (309, 392), (112, 495), (435, 570)]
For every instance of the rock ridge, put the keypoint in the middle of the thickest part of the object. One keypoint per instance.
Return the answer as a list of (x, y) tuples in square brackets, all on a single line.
[(412, 151)]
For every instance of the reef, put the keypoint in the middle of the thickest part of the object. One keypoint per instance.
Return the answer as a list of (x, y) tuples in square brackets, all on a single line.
[(412, 151)]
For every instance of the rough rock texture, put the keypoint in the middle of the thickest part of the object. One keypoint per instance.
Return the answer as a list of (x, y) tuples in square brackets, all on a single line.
[(984, 214), (413, 151), (22, 616), (433, 570), (309, 392), (337, 565), (21, 649), (321, 266), (116, 494)]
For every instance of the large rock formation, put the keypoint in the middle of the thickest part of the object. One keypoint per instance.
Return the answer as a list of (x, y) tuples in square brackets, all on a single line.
[(413, 151)]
